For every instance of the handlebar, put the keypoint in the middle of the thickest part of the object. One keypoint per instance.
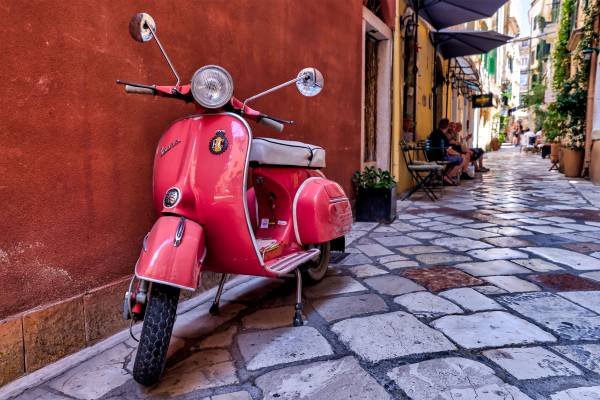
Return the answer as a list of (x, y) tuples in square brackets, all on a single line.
[(139, 90), (277, 126)]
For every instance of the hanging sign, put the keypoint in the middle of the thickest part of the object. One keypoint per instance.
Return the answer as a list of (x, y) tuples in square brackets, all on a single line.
[(483, 100)]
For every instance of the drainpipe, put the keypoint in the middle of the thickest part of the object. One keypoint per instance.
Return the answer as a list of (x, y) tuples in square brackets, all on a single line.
[(589, 115), (415, 68)]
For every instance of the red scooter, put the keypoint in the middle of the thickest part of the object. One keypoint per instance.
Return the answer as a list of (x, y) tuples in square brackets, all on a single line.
[(227, 203)]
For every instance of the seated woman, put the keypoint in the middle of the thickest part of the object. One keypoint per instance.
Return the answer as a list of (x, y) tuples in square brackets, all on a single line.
[(475, 153), (441, 151)]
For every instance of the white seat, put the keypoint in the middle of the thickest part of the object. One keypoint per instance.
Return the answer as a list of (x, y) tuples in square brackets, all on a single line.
[(267, 151)]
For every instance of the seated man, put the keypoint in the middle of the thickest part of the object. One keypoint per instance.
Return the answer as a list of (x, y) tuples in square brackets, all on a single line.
[(440, 150)]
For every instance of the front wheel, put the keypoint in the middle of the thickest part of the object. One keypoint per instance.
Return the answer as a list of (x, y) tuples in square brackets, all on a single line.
[(156, 334), (314, 271)]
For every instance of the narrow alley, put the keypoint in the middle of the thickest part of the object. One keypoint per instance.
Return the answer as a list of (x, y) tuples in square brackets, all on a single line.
[(492, 292)]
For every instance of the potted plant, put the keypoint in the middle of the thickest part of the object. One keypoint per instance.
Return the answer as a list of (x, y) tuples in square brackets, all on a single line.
[(495, 144), (572, 150), (376, 195)]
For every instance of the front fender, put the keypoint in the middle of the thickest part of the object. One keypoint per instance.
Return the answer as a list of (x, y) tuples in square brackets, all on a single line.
[(162, 261)]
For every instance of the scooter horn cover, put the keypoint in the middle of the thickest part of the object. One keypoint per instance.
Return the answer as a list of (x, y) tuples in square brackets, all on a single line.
[(172, 253)]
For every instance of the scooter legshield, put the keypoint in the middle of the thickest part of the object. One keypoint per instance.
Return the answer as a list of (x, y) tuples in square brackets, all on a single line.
[(166, 260)]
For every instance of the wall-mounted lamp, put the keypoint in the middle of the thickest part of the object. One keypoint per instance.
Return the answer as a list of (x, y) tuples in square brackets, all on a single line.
[(587, 53), (407, 24)]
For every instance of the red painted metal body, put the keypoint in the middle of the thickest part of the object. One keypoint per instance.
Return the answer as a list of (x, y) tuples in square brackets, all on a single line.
[(231, 228)]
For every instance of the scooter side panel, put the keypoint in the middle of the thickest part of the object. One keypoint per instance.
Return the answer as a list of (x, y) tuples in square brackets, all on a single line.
[(206, 158), (163, 262), (322, 211)]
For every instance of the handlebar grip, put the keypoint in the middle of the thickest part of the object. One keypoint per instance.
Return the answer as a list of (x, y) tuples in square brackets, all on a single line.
[(139, 90), (271, 124)]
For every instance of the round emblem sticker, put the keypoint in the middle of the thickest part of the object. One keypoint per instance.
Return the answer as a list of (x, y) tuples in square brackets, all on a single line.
[(218, 144)]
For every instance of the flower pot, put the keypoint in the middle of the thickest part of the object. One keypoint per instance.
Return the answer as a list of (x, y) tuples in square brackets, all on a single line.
[(554, 151), (496, 144), (573, 162), (376, 205)]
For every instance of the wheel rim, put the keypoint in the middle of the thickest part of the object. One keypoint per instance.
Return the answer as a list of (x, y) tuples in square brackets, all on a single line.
[(318, 269)]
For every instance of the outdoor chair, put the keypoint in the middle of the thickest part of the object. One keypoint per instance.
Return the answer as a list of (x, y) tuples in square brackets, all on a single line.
[(424, 173)]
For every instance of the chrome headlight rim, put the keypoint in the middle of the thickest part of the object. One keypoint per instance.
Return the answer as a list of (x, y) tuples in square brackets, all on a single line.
[(229, 88)]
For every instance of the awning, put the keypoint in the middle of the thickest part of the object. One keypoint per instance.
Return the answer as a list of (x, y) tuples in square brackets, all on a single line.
[(466, 75), (451, 43), (444, 13)]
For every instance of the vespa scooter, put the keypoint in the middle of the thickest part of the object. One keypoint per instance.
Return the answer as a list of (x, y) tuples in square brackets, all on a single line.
[(227, 203)]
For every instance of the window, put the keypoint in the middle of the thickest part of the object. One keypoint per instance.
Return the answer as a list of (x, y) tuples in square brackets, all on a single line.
[(555, 10)]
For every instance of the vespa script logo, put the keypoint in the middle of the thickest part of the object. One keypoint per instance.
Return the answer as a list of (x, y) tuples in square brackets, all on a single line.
[(166, 149)]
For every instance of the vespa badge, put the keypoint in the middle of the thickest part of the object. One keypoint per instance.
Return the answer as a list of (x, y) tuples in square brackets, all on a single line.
[(218, 144)]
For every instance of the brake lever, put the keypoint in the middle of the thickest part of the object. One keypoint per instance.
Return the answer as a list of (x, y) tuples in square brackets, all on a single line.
[(281, 121), (140, 85)]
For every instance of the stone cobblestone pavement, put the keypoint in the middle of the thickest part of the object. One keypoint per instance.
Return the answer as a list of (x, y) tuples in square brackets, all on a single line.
[(491, 293)]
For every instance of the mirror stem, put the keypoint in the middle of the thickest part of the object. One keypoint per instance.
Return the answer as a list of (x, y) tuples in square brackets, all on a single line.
[(256, 96), (162, 50)]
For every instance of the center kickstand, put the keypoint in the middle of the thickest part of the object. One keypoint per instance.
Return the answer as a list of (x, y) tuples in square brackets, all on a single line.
[(298, 313), (214, 309)]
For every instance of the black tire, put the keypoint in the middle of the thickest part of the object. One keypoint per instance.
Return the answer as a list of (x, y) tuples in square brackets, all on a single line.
[(156, 334), (314, 271)]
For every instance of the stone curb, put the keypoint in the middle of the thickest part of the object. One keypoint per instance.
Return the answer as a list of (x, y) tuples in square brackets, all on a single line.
[(55, 369)]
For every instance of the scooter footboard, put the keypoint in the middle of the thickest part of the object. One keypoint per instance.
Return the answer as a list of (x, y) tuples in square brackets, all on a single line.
[(172, 253)]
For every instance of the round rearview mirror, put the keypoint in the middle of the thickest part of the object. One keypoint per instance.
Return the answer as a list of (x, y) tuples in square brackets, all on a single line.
[(141, 27), (310, 82)]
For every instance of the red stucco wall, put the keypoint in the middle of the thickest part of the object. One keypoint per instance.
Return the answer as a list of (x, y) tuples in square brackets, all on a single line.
[(75, 169)]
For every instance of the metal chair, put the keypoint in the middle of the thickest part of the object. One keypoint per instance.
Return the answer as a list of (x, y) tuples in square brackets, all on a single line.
[(423, 173)]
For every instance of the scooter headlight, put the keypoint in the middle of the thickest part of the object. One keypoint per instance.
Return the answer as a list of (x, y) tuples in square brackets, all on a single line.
[(212, 86)]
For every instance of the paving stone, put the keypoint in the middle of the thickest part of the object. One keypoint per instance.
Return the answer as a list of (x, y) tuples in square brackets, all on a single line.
[(198, 322), (401, 264), (471, 300), (412, 250), (232, 396), (326, 380), (507, 241), (387, 336), (427, 305), (496, 267), (537, 264), (203, 370), (588, 299), (479, 225), (95, 377), (366, 270), (404, 227), (582, 247), (564, 318), (263, 349), (580, 227), (564, 282), (269, 318), (472, 233), (393, 285), (580, 393), (509, 231), (219, 339), (532, 363), (332, 309), (566, 257), (512, 284), (374, 250), (546, 229), (595, 276), (397, 241), (489, 289), (496, 254), (385, 229), (356, 259), (461, 244), (587, 355), (452, 378), (440, 278), (388, 259), (331, 286), (40, 394), (490, 329), (364, 226), (441, 258), (425, 235)]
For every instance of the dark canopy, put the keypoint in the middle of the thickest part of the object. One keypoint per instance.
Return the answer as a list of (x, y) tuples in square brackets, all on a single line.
[(444, 13), (452, 43)]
